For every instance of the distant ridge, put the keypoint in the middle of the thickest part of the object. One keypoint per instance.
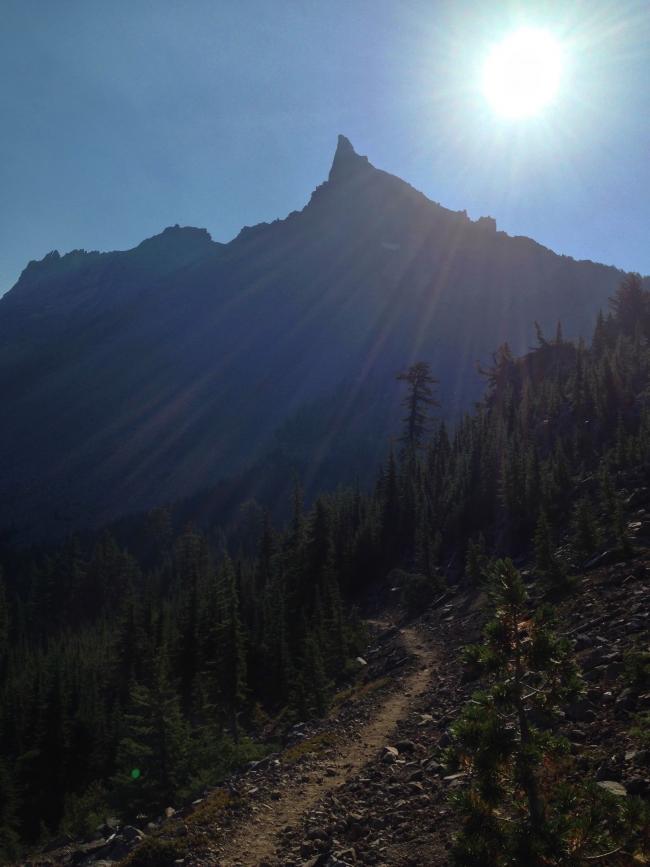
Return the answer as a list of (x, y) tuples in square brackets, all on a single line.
[(131, 378)]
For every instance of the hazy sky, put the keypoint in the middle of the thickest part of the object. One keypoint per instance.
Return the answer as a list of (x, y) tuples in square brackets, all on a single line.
[(121, 117)]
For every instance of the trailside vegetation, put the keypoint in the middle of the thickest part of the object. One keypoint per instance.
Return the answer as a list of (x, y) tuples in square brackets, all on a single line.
[(519, 807)]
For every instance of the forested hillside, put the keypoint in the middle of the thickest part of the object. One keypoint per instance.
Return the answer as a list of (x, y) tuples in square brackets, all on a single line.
[(130, 678)]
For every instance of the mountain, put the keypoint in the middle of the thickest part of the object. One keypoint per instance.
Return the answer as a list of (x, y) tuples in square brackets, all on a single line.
[(128, 379)]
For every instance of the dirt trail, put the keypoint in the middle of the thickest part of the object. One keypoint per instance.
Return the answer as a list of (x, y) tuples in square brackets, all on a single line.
[(257, 840)]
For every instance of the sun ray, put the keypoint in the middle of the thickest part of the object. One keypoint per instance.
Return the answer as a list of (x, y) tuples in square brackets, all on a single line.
[(522, 73)]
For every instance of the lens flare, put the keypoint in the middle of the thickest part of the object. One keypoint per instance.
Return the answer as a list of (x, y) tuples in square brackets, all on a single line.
[(522, 73)]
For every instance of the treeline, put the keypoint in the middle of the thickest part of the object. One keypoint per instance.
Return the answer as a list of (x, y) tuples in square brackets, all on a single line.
[(128, 682), (544, 459)]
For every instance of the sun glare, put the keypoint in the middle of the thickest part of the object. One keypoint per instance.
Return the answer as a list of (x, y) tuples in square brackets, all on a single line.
[(522, 73)]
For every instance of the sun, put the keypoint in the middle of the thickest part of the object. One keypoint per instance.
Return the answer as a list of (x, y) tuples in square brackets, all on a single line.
[(522, 73)]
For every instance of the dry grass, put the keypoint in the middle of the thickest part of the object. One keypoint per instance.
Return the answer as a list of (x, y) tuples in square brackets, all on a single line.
[(314, 745), (213, 808), (153, 852), (355, 693)]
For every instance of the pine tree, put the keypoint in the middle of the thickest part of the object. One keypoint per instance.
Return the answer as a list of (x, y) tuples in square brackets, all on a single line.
[(630, 303), (266, 549), (152, 755), (621, 534), (231, 650), (9, 839), (418, 403), (586, 534), (528, 672), (391, 512), (476, 559), (546, 561)]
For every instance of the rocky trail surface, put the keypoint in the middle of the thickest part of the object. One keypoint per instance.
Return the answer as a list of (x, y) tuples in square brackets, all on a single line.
[(268, 830), (363, 786)]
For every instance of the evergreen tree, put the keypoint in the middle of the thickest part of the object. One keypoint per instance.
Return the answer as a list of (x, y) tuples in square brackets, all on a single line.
[(630, 304), (152, 755), (586, 534), (527, 671), (231, 650), (546, 561), (418, 403), (9, 841), (476, 559)]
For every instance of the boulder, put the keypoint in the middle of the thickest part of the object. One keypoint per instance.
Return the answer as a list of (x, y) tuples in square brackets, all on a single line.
[(613, 787), (638, 786), (580, 710)]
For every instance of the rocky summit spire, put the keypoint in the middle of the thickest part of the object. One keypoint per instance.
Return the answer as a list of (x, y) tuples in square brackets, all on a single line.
[(347, 162)]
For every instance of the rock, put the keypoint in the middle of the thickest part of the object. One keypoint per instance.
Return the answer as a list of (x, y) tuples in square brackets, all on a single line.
[(580, 710), (318, 861), (59, 842), (641, 758), (452, 778), (638, 787), (317, 834), (594, 658), (604, 559), (389, 755), (596, 673), (583, 642), (614, 670), (405, 746), (607, 772), (613, 787), (540, 718), (626, 700), (120, 848)]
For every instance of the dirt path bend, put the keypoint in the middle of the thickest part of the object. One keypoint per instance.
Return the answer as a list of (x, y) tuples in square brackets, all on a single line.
[(254, 843)]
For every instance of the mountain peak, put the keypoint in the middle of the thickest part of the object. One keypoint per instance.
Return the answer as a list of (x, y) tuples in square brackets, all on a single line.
[(347, 162)]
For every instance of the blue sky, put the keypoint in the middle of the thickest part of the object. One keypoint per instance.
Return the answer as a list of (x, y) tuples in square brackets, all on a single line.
[(120, 118)]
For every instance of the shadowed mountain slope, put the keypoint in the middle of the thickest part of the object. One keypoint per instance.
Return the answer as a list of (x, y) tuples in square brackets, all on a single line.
[(131, 378)]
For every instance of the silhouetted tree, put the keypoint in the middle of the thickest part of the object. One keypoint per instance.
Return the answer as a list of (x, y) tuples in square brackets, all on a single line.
[(418, 403)]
